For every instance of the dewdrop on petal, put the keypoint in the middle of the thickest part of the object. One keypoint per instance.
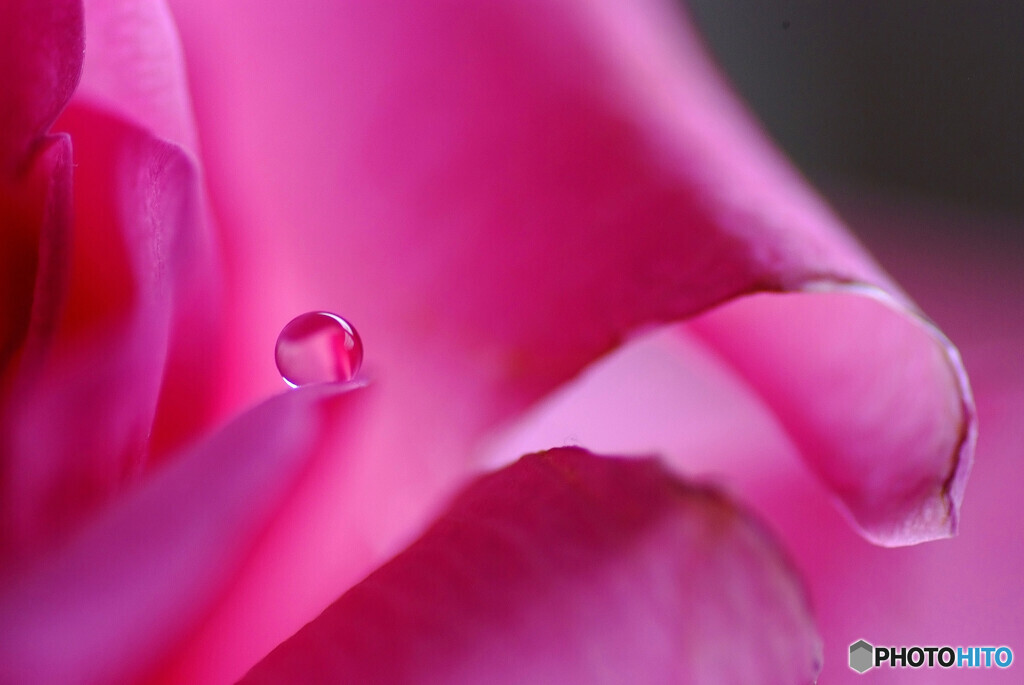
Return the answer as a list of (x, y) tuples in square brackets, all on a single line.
[(318, 347)]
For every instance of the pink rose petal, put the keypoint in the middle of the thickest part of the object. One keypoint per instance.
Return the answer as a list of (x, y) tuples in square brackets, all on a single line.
[(877, 403), (80, 423), (960, 591), (496, 195), (119, 373), (586, 175), (584, 170), (35, 212), (964, 591), (108, 605), (569, 568), (134, 68)]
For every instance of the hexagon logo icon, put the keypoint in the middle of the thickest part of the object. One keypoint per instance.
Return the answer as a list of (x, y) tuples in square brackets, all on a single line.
[(861, 653)]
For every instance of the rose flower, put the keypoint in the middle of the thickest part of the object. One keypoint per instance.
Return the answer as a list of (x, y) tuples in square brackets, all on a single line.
[(498, 195)]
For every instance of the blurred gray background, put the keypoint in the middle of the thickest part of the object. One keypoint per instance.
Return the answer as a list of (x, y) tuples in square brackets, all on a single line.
[(907, 99)]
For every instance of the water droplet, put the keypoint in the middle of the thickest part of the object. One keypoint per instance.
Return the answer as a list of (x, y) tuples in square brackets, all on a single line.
[(318, 347)]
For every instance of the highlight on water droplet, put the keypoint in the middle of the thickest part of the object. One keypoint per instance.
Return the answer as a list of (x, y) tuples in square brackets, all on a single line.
[(318, 347)]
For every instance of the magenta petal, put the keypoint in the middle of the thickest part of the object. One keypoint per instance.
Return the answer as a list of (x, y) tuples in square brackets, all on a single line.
[(91, 415), (36, 210), (40, 58), (569, 568), (110, 603)]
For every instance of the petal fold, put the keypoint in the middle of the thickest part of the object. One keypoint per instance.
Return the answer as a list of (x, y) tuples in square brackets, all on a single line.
[(874, 396)]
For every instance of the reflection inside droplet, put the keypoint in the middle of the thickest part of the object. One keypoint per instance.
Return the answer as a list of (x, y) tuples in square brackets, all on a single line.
[(318, 347)]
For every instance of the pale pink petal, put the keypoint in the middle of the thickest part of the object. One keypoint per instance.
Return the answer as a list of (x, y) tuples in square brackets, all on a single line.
[(569, 568), (79, 424), (108, 605), (495, 194)]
